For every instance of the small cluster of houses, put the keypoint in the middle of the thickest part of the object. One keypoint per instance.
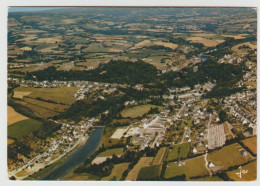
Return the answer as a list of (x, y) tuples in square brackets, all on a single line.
[(69, 135), (238, 103), (186, 94), (230, 59)]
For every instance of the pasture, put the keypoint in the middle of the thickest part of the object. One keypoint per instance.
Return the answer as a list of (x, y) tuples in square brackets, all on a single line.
[(173, 170), (80, 177), (149, 173), (145, 43), (26, 48), (107, 133), (36, 110), (160, 156), (51, 106), (143, 162), (49, 40), (239, 36), (251, 143), (110, 152), (167, 45), (228, 156), (13, 116), (249, 176), (95, 47), (22, 128), (242, 51), (182, 148), (205, 42), (137, 111), (193, 167), (117, 171), (62, 95), (20, 95)]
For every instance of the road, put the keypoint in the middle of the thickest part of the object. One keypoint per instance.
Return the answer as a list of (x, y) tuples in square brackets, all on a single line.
[(206, 164), (184, 134), (14, 172), (210, 119)]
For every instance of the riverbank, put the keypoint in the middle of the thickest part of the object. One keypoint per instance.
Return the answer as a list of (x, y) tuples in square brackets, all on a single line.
[(77, 157), (26, 173)]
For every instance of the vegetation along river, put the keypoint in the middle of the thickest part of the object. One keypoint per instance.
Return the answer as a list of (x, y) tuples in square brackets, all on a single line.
[(78, 157)]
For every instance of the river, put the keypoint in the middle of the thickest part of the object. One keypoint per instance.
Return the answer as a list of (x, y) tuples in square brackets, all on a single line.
[(78, 157), (204, 58)]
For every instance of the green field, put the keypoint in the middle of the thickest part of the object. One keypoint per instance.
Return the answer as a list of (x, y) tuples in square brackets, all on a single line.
[(249, 176), (160, 156), (173, 170), (184, 151), (60, 95), (137, 111), (110, 152), (117, 171), (45, 45), (122, 121), (149, 173), (80, 177), (251, 143), (228, 156), (193, 168), (22, 128)]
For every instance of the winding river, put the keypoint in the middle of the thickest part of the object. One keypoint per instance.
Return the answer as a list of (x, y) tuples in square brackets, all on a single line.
[(78, 157)]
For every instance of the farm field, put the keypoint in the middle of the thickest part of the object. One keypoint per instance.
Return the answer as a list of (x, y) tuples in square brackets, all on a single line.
[(228, 156), (242, 51), (10, 141), (80, 177), (197, 167), (205, 42), (173, 170), (50, 106), (36, 110), (251, 143), (110, 152), (117, 171), (240, 36), (143, 162), (106, 138), (137, 111), (149, 173), (60, 95), (173, 153), (13, 116), (122, 121), (193, 167), (22, 128), (249, 176), (160, 156), (20, 95), (167, 45)]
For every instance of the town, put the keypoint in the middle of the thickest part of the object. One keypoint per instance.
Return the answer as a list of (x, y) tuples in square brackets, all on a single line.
[(125, 94)]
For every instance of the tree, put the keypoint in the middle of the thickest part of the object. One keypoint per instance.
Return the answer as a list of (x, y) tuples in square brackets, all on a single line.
[(12, 178), (222, 116)]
